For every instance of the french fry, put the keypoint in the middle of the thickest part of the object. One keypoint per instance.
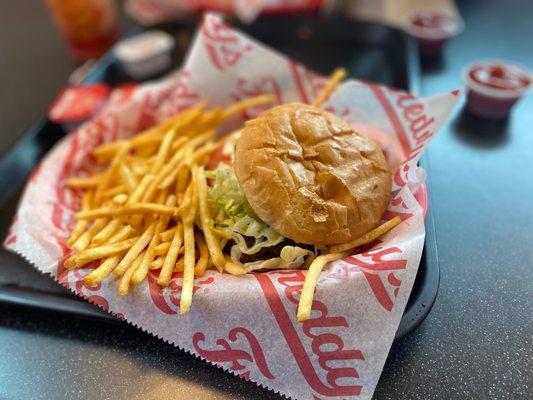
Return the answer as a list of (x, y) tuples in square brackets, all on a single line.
[(106, 232), (84, 183), (151, 139), (114, 191), (150, 193), (208, 120), (128, 178), (338, 75), (178, 144), (149, 256), (135, 250), (106, 152), (139, 191), (139, 208), (367, 237), (236, 108), (140, 170), (188, 268), (167, 235), (218, 232), (151, 190), (186, 200), (80, 226), (146, 153), (171, 257), (96, 253), (234, 269), (188, 244), (189, 115), (190, 214), (124, 285), (96, 276), (201, 264), (123, 233), (162, 248), (83, 241), (212, 243), (164, 150), (120, 199), (311, 278), (157, 263), (70, 262), (181, 181)]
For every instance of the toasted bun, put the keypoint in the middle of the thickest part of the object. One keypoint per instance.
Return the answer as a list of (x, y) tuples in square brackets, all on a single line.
[(310, 176)]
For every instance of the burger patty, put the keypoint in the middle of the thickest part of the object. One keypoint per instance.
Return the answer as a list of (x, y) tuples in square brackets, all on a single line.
[(266, 252)]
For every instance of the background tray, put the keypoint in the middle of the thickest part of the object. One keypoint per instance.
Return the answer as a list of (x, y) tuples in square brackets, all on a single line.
[(369, 51)]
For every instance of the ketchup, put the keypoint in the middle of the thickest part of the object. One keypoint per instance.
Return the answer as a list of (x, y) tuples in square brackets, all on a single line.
[(498, 76)]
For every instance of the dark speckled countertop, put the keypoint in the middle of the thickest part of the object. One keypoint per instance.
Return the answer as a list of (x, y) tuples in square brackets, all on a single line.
[(476, 342)]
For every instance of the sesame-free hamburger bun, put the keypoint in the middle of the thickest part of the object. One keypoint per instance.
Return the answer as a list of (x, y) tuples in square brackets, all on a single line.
[(310, 176)]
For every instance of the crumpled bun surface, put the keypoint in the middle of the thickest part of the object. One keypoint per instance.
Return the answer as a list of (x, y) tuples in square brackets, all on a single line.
[(310, 176)]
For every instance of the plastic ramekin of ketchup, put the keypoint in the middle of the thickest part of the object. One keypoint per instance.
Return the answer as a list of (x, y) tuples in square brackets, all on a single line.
[(432, 29), (494, 87)]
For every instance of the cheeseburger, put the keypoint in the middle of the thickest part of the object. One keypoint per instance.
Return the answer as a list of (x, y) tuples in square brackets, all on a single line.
[(293, 182)]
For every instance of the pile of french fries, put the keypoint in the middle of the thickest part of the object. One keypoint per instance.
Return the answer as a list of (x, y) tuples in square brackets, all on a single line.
[(149, 210)]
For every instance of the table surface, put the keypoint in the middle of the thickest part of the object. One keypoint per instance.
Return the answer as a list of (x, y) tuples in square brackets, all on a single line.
[(475, 344)]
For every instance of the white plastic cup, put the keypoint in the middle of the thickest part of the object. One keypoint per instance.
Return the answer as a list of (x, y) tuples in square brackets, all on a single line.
[(146, 54)]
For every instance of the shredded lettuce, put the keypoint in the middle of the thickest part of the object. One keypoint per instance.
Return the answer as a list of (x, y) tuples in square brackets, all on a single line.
[(226, 199), (234, 217)]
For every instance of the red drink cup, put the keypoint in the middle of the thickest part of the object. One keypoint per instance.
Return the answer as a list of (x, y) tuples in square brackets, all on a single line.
[(494, 87), (89, 27), (432, 30)]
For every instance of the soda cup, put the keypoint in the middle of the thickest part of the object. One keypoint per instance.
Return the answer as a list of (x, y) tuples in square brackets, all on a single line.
[(89, 27)]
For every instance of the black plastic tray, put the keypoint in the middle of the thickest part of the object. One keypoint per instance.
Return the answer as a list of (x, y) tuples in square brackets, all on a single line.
[(369, 51)]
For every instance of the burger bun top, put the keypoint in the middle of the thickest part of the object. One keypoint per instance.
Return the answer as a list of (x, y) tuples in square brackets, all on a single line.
[(310, 176)]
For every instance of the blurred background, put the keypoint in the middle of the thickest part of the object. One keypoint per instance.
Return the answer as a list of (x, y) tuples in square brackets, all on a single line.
[(476, 341)]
